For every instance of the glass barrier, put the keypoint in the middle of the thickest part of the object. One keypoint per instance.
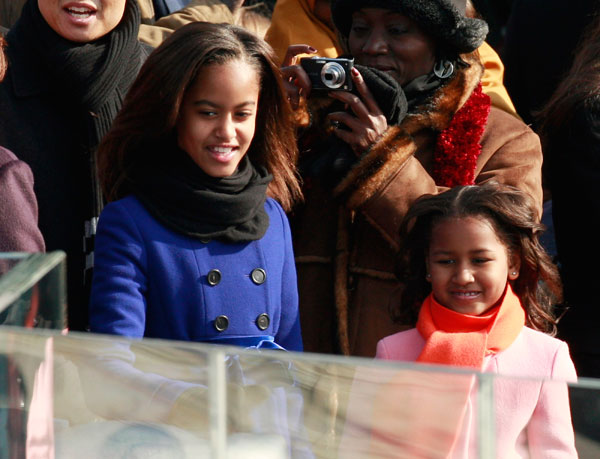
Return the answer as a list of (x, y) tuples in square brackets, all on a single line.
[(32, 290), (93, 396)]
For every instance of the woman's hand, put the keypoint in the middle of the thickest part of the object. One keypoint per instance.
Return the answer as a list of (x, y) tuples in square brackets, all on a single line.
[(295, 79), (369, 124)]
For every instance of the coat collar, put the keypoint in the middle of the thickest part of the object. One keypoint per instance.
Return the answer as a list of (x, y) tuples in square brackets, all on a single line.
[(388, 155)]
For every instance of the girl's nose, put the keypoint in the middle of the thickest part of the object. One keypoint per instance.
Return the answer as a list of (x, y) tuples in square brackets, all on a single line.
[(376, 43), (226, 129), (463, 276)]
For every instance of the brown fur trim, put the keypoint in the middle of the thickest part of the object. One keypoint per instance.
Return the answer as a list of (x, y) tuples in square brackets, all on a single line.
[(341, 279), (396, 146), (380, 164)]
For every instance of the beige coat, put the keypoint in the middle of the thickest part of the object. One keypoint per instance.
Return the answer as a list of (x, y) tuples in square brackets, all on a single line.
[(155, 32), (346, 241)]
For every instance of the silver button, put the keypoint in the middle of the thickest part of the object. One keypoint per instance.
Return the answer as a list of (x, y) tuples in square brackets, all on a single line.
[(258, 276), (222, 323), (213, 277), (263, 321)]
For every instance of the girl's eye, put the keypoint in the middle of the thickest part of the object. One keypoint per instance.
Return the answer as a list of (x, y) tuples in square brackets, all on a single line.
[(359, 29), (396, 30), (480, 261), (208, 113), (243, 115), (444, 261)]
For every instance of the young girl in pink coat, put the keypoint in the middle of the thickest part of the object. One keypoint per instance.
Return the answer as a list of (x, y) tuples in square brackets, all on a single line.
[(483, 288)]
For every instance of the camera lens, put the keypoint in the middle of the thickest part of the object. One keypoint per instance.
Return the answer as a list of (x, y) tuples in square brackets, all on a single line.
[(333, 75)]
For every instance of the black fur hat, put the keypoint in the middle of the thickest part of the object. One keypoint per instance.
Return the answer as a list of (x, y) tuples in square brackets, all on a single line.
[(444, 20)]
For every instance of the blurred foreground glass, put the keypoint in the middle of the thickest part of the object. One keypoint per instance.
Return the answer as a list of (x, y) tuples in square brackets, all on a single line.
[(32, 290), (93, 396)]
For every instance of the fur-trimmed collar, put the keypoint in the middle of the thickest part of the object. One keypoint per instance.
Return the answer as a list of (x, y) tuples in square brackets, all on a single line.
[(388, 155)]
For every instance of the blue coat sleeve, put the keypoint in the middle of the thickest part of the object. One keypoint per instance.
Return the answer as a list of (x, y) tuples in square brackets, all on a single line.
[(118, 303), (289, 335)]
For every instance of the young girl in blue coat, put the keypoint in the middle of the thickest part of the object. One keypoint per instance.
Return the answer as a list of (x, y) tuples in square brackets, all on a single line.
[(197, 166)]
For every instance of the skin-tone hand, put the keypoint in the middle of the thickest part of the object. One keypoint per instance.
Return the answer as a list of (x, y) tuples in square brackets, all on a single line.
[(296, 81), (368, 125)]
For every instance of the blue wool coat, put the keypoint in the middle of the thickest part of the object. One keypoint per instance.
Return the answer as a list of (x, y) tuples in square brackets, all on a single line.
[(150, 281)]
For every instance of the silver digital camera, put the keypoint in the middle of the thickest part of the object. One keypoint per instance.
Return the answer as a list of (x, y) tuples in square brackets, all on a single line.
[(329, 74)]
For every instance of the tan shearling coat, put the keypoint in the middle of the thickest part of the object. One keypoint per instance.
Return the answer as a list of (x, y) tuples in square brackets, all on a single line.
[(346, 240), (154, 32)]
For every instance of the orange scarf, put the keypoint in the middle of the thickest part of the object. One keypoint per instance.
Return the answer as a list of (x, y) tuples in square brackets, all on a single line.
[(463, 340)]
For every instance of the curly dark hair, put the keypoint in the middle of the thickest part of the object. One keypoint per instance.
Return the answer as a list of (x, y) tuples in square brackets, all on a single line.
[(513, 217)]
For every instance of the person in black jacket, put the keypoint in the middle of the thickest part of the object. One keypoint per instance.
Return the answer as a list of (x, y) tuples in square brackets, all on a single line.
[(541, 36), (69, 71), (570, 127), (18, 207)]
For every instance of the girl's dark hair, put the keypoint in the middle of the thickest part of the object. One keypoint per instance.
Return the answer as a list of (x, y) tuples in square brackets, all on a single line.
[(151, 108), (513, 216), (3, 63)]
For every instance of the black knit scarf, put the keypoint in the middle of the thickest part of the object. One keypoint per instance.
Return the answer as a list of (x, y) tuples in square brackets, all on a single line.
[(335, 157), (94, 76), (186, 199)]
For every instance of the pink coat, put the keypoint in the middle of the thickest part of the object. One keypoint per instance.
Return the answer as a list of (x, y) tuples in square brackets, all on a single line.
[(533, 417)]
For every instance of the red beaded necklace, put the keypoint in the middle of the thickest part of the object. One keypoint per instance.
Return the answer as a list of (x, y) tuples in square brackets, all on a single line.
[(458, 146)]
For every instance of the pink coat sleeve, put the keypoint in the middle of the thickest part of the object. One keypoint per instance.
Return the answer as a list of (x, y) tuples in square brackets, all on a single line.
[(382, 352), (550, 430)]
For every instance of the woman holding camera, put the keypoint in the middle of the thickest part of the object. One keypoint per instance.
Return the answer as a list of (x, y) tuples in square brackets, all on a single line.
[(417, 123)]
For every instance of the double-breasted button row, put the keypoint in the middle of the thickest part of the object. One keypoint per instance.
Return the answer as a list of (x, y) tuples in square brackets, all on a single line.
[(213, 277), (263, 321), (258, 276), (221, 322)]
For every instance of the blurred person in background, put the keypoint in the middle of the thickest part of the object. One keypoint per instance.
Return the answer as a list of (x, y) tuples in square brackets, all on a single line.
[(70, 68), (309, 21), (570, 130), (18, 206)]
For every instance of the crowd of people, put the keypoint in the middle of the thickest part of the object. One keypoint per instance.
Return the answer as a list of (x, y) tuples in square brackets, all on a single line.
[(164, 146)]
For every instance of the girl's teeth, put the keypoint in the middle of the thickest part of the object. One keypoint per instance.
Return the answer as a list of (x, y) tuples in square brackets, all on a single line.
[(221, 150), (80, 12)]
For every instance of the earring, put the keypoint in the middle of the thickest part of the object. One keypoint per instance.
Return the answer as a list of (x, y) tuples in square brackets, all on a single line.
[(514, 273), (427, 276), (443, 69)]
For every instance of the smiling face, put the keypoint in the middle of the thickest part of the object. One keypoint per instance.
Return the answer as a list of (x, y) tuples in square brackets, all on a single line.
[(82, 20), (218, 116), (391, 42), (468, 265)]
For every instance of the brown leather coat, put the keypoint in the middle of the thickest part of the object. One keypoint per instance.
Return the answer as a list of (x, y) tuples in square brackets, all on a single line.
[(346, 240)]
